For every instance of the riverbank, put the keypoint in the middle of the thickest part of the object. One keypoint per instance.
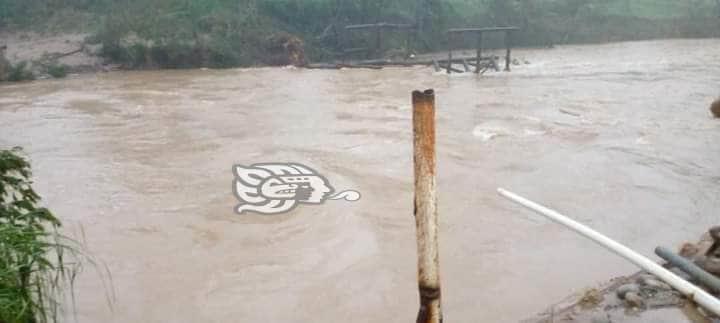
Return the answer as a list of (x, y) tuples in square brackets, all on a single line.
[(38, 50), (224, 34), (642, 297)]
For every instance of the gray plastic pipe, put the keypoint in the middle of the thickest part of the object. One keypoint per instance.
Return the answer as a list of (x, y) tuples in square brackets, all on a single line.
[(687, 266), (691, 291)]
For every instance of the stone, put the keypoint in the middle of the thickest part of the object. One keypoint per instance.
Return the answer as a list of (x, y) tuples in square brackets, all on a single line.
[(715, 231), (634, 300), (600, 318), (627, 288), (654, 283), (689, 250), (711, 265), (715, 108), (680, 273)]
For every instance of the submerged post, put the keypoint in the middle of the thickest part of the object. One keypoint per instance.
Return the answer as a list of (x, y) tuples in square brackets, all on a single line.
[(478, 54), (508, 46), (449, 62), (378, 41), (426, 206)]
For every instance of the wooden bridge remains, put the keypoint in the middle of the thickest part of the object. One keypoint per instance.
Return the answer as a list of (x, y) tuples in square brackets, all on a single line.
[(374, 52)]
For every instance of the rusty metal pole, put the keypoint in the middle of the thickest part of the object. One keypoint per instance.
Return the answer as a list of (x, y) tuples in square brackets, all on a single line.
[(426, 206)]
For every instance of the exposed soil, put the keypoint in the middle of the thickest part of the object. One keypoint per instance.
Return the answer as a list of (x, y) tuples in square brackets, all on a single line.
[(70, 50)]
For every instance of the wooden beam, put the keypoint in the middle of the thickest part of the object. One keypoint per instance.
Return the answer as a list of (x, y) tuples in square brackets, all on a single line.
[(355, 50), (436, 65), (380, 25), (329, 66), (481, 30), (478, 53), (448, 67)]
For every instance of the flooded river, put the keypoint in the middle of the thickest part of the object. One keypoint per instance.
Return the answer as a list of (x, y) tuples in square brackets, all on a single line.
[(138, 164)]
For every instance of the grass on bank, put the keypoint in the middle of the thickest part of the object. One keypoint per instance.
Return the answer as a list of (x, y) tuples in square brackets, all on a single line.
[(37, 264)]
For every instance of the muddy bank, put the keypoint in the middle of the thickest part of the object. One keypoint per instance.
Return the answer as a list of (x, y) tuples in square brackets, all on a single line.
[(69, 50), (643, 297), (78, 55)]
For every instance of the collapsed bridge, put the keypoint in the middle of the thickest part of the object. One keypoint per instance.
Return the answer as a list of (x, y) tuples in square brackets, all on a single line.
[(374, 56)]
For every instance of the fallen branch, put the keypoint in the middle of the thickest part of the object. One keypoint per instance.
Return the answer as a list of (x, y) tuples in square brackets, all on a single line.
[(61, 55), (445, 66), (572, 113)]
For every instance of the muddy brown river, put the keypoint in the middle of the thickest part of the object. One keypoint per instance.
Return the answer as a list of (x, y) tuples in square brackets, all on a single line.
[(138, 165)]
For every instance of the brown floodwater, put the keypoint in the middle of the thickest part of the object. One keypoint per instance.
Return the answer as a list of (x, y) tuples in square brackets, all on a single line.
[(138, 164)]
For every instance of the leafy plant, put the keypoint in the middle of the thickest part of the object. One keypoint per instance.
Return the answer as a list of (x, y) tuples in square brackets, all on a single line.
[(36, 262)]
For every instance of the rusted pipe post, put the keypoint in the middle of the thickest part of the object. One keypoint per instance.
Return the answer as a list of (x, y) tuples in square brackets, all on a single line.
[(426, 206)]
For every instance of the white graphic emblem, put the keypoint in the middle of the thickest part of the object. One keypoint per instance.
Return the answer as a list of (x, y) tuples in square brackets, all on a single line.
[(272, 188)]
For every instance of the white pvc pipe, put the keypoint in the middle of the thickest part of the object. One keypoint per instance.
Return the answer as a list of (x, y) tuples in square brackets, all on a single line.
[(691, 291)]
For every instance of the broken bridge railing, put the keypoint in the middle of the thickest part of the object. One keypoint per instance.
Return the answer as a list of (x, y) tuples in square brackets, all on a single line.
[(454, 32)]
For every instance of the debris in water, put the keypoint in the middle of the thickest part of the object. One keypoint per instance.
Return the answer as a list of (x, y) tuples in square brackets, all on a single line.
[(715, 108), (572, 113)]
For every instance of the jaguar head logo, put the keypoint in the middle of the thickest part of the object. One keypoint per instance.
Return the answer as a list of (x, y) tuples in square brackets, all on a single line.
[(272, 188)]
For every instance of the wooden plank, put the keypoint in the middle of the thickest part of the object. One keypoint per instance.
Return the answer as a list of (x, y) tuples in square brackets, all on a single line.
[(481, 30), (449, 67), (436, 65), (329, 66), (380, 25), (355, 50)]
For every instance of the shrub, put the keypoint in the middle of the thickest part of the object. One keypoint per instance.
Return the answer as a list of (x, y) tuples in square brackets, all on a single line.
[(57, 70), (34, 258), (20, 72)]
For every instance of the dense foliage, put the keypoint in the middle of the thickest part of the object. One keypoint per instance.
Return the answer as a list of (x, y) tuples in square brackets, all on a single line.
[(221, 33), (34, 259)]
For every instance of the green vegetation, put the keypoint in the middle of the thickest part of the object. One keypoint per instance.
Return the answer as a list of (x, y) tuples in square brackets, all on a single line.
[(35, 261), (19, 72), (223, 33), (56, 70)]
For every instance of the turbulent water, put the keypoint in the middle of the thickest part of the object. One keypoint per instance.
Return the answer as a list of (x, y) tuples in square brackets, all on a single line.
[(138, 164)]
